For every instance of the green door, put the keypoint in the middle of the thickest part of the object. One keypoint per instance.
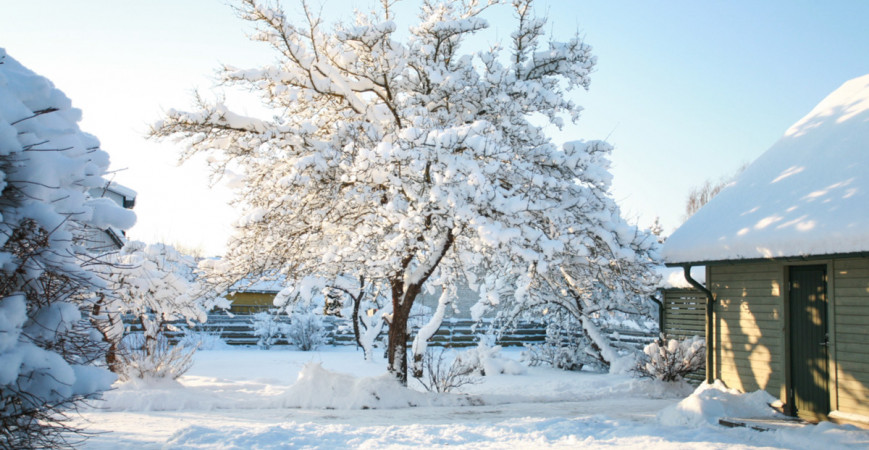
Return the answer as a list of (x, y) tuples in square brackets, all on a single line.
[(809, 390)]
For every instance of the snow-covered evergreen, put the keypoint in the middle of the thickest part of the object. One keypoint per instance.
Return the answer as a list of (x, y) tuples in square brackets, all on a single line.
[(413, 163), (47, 343)]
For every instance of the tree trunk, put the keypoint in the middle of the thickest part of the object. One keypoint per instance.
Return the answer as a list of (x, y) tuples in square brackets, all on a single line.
[(396, 350), (356, 333), (402, 302), (105, 330), (420, 342)]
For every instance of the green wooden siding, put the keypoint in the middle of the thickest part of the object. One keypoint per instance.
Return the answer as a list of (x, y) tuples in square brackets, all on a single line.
[(749, 326), (851, 325)]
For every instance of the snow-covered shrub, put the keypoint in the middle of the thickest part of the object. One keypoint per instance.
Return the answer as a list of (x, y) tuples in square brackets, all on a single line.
[(157, 286), (267, 329), (48, 343), (440, 374), (306, 331), (202, 340), (141, 356), (671, 359), (565, 347)]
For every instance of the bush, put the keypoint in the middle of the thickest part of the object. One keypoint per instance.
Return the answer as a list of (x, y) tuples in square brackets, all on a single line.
[(144, 358), (671, 359), (267, 329), (439, 376), (565, 347), (203, 340), (306, 331)]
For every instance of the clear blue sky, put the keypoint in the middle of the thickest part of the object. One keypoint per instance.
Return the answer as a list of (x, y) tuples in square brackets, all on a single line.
[(685, 90)]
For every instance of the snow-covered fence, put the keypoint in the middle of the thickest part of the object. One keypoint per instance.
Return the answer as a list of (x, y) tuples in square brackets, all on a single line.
[(238, 329)]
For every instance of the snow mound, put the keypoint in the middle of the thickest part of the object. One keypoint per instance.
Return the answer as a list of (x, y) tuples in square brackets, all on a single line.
[(156, 394), (489, 361), (318, 388), (711, 402)]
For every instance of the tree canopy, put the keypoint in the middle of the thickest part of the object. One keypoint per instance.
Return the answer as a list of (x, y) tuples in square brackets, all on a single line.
[(411, 163)]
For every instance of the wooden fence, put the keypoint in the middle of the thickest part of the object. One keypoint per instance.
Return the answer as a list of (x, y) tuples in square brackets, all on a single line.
[(238, 329), (684, 313), (684, 317)]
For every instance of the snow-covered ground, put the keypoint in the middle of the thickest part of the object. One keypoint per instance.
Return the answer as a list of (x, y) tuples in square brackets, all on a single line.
[(249, 398)]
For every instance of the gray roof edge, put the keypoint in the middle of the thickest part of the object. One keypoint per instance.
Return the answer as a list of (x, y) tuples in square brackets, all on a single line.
[(721, 262)]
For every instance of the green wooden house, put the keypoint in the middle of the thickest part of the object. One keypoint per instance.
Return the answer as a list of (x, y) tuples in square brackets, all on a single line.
[(786, 251)]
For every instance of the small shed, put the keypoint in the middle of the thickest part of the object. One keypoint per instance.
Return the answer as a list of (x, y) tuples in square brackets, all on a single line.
[(110, 239), (786, 251), (252, 296)]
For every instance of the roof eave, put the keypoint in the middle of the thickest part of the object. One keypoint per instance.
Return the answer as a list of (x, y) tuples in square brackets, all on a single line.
[(720, 262)]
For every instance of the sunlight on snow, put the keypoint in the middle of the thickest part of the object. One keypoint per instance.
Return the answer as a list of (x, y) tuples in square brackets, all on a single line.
[(793, 170), (767, 221)]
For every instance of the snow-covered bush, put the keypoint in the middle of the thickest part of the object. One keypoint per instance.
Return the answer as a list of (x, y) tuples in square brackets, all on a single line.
[(143, 357), (157, 286), (671, 359), (443, 374), (267, 328), (340, 296), (48, 166), (202, 340), (564, 347), (306, 331)]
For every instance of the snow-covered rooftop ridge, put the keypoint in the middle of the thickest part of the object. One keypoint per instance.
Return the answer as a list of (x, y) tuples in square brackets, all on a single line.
[(807, 195)]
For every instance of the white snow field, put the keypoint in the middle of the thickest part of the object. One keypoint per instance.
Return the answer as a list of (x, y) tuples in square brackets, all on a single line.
[(242, 398)]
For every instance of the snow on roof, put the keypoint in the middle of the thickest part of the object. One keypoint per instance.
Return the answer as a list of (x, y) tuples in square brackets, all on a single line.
[(807, 195), (121, 190), (254, 284)]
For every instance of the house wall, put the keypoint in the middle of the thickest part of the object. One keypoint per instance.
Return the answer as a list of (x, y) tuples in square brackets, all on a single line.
[(851, 335), (751, 328), (251, 302)]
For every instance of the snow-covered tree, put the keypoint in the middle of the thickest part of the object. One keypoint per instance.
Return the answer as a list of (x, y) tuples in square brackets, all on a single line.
[(157, 286), (47, 343), (410, 162)]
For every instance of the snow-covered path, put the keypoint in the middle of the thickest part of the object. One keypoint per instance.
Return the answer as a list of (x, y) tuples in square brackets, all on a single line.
[(239, 399)]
